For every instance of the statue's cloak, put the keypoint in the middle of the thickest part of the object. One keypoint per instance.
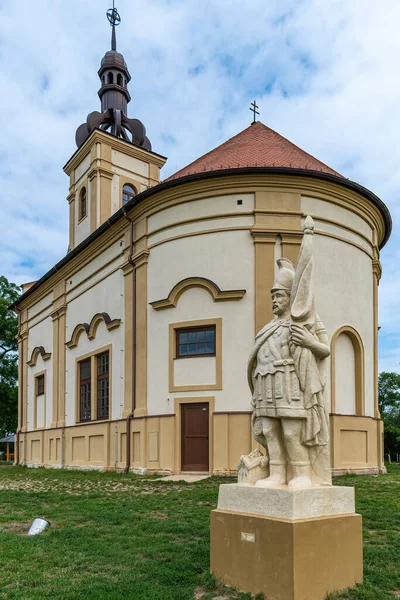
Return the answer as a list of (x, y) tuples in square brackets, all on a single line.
[(315, 432)]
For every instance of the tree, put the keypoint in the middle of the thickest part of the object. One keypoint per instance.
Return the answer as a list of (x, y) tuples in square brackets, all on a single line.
[(9, 293), (389, 407)]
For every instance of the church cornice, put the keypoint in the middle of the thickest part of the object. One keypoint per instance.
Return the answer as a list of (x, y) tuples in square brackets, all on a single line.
[(343, 191), (100, 136)]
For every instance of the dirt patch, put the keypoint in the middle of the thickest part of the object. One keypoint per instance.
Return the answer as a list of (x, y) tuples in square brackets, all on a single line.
[(396, 593), (86, 524), (199, 592), (22, 527), (16, 527), (160, 516)]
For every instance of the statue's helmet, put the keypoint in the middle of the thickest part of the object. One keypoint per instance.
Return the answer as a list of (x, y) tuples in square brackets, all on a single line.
[(284, 277)]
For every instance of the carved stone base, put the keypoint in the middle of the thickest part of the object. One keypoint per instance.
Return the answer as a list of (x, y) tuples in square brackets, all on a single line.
[(362, 471), (285, 503), (286, 559)]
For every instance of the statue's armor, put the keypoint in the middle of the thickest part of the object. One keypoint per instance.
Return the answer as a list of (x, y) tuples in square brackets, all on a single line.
[(277, 390)]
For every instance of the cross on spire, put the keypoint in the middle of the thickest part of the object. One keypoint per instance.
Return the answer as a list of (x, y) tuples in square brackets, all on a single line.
[(253, 108), (115, 19)]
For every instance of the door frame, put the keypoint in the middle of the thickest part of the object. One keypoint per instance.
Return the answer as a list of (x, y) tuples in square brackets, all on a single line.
[(210, 400)]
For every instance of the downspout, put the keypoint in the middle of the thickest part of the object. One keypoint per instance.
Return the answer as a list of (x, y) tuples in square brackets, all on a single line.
[(21, 407), (132, 413)]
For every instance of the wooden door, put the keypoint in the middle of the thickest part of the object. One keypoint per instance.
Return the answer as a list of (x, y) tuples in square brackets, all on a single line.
[(194, 427)]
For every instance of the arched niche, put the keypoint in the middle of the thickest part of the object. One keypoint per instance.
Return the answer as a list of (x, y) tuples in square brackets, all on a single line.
[(347, 371)]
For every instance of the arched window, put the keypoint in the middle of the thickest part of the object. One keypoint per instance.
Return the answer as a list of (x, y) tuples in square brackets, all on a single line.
[(82, 203), (128, 192), (110, 78), (119, 79)]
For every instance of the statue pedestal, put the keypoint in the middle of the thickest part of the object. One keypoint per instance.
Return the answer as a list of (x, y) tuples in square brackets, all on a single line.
[(286, 544)]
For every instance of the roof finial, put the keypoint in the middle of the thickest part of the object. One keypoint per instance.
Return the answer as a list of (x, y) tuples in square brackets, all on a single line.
[(254, 109), (115, 19), (114, 96)]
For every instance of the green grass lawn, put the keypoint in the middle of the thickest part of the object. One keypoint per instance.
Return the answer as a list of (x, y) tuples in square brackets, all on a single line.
[(121, 536)]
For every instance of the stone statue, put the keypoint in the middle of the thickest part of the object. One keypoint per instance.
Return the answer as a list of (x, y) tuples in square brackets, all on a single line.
[(286, 377)]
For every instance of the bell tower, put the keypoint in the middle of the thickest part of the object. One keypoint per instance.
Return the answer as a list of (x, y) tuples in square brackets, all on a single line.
[(114, 161)]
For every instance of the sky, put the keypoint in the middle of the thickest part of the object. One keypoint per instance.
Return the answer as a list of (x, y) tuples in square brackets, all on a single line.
[(324, 74)]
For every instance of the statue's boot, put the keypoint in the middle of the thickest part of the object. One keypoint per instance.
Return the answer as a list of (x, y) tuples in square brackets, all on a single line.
[(301, 475), (277, 475)]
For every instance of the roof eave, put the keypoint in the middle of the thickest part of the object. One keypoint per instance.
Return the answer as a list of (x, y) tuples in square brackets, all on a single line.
[(209, 175)]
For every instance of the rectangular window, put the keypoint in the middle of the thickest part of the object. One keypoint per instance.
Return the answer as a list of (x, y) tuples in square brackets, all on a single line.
[(40, 385), (103, 380), (195, 341), (85, 390)]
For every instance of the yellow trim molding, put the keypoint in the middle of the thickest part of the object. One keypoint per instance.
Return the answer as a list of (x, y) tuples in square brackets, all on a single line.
[(358, 347), (92, 328), (35, 355), (180, 288), (217, 322)]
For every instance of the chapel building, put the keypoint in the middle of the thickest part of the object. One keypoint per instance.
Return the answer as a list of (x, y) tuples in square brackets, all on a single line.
[(133, 347)]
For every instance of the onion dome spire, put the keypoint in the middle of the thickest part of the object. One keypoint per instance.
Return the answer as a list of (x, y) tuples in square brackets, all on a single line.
[(114, 96)]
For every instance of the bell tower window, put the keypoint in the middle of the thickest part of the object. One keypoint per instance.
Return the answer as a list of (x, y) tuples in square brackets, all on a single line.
[(119, 79), (110, 78), (82, 204), (128, 192)]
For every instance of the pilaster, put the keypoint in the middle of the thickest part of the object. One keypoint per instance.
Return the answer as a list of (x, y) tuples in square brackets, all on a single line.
[(94, 187), (105, 180), (58, 316), (264, 257), (275, 213), (22, 339), (140, 259), (62, 321), (71, 202), (377, 273), (291, 242), (127, 270)]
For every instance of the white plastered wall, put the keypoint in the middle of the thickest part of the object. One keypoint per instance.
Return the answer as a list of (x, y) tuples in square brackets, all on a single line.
[(227, 259), (107, 296), (204, 207), (344, 285), (40, 334)]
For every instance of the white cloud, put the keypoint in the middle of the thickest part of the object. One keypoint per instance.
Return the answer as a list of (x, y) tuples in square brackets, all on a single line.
[(323, 74)]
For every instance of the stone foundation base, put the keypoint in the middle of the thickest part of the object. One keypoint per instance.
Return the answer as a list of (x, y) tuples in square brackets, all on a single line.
[(285, 503), (363, 471), (286, 559)]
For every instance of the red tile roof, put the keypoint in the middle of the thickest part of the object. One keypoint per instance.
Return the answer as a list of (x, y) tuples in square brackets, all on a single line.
[(256, 146)]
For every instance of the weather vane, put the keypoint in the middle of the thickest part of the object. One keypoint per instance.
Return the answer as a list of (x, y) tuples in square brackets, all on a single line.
[(253, 108), (115, 19)]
